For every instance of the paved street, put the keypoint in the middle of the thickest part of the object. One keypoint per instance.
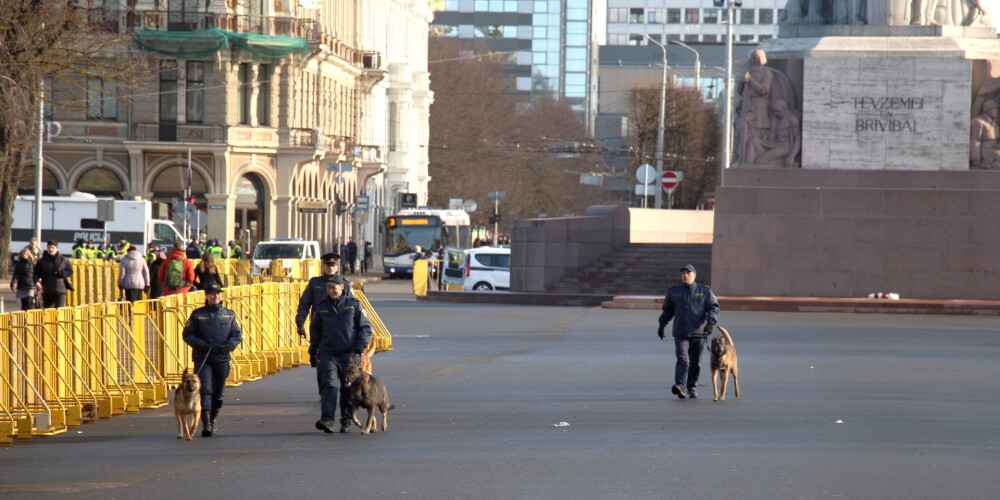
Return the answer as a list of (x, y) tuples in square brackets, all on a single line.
[(833, 406)]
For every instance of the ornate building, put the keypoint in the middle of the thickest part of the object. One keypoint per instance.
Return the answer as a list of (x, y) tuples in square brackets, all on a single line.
[(273, 116)]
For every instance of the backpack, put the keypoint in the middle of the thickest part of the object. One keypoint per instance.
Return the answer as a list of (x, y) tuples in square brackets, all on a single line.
[(175, 274)]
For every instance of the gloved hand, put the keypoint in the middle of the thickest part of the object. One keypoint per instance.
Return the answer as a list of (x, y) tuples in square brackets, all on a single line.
[(225, 348), (659, 332), (708, 328), (302, 331)]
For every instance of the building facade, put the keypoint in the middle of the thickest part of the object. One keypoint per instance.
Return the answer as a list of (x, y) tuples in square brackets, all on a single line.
[(690, 21), (273, 117), (548, 46)]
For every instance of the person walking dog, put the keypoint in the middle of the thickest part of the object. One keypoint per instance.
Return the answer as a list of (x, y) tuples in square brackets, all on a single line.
[(695, 312)]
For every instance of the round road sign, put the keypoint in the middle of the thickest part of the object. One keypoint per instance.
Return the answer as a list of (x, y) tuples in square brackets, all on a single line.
[(669, 180), (711, 200)]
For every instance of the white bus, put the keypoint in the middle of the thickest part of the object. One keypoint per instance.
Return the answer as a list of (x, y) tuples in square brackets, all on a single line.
[(428, 229)]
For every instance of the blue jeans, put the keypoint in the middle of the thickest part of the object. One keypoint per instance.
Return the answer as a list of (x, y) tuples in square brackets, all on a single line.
[(330, 372), (213, 383), (688, 351)]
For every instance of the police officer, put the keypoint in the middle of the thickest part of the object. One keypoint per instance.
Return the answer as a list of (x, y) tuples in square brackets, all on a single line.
[(91, 250), (217, 251), (80, 249), (234, 250), (154, 250), (316, 291), (212, 332), (342, 332), (695, 312)]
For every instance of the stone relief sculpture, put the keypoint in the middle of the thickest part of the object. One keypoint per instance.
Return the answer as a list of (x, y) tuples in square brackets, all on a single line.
[(912, 12), (767, 127), (826, 12), (942, 12), (983, 146)]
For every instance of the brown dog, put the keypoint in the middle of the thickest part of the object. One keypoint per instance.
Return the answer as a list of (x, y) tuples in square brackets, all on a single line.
[(724, 362), (187, 405), (367, 392)]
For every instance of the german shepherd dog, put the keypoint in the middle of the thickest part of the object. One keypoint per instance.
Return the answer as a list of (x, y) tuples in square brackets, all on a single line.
[(724, 362), (367, 392), (187, 405)]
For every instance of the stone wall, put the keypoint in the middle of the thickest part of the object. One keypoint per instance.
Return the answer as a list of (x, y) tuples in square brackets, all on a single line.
[(848, 233)]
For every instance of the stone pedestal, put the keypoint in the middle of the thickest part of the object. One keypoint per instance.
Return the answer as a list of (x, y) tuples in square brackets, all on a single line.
[(886, 102)]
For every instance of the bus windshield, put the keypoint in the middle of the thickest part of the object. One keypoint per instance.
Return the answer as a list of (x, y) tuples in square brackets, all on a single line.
[(405, 239)]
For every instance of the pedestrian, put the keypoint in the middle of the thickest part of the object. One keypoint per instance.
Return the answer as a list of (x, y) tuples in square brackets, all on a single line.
[(366, 259), (155, 285), (351, 254), (213, 333), (235, 252), (194, 250), (133, 274), (695, 312), (35, 248), (176, 274), (23, 280), (206, 272), (316, 292), (51, 276), (342, 333)]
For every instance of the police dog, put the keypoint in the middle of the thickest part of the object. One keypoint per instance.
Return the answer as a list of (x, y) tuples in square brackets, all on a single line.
[(723, 363), (367, 392), (187, 405)]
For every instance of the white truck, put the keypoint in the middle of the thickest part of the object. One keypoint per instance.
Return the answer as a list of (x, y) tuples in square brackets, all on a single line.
[(82, 215)]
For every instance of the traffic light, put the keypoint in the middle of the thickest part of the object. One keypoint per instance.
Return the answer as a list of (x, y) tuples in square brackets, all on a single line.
[(493, 219)]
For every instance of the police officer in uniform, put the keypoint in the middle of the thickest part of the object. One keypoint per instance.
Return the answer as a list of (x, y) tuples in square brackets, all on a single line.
[(234, 250), (695, 312), (342, 332), (213, 333), (316, 291), (217, 251)]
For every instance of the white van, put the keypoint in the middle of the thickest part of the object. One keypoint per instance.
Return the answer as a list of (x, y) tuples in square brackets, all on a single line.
[(282, 248), (487, 268)]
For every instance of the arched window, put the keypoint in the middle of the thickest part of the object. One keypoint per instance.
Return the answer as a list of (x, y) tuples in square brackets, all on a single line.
[(100, 182)]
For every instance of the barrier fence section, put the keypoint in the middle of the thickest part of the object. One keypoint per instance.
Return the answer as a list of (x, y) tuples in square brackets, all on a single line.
[(61, 368)]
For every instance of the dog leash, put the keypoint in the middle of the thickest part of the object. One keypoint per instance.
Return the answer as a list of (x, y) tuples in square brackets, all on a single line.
[(204, 360)]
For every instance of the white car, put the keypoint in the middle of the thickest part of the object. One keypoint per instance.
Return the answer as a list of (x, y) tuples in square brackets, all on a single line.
[(487, 268), (282, 248)]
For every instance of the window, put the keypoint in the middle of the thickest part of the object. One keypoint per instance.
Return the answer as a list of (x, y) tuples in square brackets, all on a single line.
[(711, 16), (710, 38), (673, 16), (635, 39), (618, 15), (195, 92), (691, 16), (654, 16), (617, 39), (761, 38), (243, 95), (635, 16), (657, 38), (102, 100), (766, 16), (393, 127), (264, 95), (746, 16), (746, 38), (673, 37), (690, 38), (168, 91)]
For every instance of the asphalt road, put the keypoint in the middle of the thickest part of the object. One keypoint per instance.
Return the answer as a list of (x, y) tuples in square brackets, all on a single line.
[(833, 406)]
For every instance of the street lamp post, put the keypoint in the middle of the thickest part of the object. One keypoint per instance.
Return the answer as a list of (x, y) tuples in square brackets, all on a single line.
[(659, 131), (697, 62), (727, 123)]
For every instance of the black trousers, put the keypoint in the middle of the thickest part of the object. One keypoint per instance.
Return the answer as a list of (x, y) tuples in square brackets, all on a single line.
[(213, 383), (53, 299)]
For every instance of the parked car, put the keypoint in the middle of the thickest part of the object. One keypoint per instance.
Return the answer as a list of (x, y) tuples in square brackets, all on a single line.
[(282, 248), (487, 268)]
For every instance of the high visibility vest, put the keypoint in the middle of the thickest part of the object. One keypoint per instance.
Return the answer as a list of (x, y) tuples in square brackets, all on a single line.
[(150, 257), (216, 252), (237, 252), (80, 253)]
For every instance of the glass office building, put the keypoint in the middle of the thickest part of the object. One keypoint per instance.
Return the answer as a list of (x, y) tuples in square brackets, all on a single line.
[(549, 45)]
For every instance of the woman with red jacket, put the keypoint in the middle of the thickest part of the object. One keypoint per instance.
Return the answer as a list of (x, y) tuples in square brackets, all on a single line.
[(168, 275)]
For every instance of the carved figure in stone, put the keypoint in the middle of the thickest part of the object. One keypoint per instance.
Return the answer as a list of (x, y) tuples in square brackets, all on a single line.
[(942, 12), (781, 144), (755, 115), (983, 152)]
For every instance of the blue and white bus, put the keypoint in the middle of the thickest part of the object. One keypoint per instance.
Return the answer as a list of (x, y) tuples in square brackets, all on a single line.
[(426, 229)]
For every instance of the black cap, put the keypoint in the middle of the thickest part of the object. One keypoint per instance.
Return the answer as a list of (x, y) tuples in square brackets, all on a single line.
[(335, 279), (331, 258), (213, 287), (689, 267)]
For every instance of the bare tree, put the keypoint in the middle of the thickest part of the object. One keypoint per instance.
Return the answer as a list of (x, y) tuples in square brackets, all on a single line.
[(42, 39), (486, 137), (691, 139)]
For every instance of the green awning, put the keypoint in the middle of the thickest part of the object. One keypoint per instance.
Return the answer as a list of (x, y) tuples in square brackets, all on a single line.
[(203, 43)]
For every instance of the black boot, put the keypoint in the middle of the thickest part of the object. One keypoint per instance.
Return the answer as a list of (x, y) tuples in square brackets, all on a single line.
[(211, 420), (206, 424)]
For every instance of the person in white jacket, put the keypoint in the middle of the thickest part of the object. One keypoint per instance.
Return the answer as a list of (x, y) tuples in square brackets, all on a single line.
[(133, 274)]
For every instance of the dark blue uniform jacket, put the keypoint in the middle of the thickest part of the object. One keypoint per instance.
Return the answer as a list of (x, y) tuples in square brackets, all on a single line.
[(211, 327), (315, 292), (341, 327), (691, 307)]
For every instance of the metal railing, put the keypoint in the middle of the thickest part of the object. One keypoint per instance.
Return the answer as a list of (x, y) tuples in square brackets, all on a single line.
[(61, 368)]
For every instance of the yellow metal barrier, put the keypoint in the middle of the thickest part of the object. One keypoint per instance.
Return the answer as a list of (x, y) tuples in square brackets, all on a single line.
[(60, 368)]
